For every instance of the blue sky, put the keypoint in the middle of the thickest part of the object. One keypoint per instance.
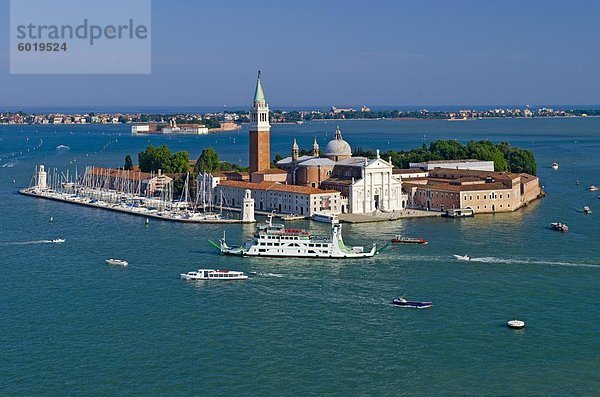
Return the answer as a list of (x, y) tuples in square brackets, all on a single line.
[(381, 52)]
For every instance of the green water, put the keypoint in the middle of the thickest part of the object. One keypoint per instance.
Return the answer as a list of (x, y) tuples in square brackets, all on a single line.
[(71, 325)]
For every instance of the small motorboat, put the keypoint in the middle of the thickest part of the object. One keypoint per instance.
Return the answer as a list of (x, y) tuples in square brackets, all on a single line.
[(293, 217), (401, 302), (58, 240), (462, 257), (211, 274), (409, 240), (587, 210), (117, 262), (555, 166), (516, 324), (593, 188), (561, 227)]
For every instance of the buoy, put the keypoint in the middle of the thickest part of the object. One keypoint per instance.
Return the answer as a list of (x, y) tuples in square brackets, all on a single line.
[(516, 324)]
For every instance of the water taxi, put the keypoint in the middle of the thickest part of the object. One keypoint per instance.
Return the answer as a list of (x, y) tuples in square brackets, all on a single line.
[(462, 257), (292, 217), (117, 262), (401, 302), (272, 240), (409, 240), (326, 218), (212, 274), (459, 213)]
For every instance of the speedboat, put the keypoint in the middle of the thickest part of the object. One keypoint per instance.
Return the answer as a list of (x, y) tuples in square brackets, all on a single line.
[(117, 262), (409, 240), (561, 227), (516, 324), (462, 257), (555, 166), (593, 188), (58, 240), (211, 274), (587, 210), (411, 304)]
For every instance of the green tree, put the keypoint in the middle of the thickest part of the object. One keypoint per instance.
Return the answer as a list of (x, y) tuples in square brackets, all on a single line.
[(180, 163), (208, 161), (128, 163), (486, 150), (155, 158)]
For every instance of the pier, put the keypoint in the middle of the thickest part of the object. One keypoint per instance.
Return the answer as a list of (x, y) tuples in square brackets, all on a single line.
[(50, 195)]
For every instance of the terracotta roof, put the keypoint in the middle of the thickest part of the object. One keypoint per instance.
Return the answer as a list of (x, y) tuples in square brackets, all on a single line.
[(445, 186), (408, 171), (276, 187), (122, 174), (451, 161), (271, 171), (450, 172)]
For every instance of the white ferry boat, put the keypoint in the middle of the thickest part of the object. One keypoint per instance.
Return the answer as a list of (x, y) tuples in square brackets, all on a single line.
[(326, 218), (211, 274), (273, 240)]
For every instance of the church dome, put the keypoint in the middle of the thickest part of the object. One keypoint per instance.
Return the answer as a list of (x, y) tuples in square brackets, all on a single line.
[(338, 146)]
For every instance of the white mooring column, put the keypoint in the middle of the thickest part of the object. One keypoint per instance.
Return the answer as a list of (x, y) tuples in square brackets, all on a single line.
[(248, 208)]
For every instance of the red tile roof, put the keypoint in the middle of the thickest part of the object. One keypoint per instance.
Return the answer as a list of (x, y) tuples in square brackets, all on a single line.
[(276, 187), (271, 171)]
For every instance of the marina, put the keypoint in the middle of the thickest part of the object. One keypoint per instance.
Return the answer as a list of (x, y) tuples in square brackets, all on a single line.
[(90, 190)]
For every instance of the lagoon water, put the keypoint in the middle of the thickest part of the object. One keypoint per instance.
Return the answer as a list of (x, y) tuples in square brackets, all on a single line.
[(71, 325)]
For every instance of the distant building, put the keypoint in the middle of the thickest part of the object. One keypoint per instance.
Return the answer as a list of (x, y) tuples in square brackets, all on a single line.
[(140, 128), (335, 110), (185, 129), (469, 164)]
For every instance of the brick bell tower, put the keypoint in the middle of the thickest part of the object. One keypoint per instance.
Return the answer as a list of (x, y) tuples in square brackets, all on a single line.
[(260, 131)]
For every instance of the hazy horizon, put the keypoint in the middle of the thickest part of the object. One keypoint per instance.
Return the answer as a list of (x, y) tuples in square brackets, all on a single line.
[(421, 54)]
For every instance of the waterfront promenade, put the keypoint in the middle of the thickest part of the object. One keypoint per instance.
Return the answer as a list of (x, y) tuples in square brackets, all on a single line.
[(387, 216)]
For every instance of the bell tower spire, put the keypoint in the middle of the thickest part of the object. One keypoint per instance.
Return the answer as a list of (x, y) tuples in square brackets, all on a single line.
[(260, 130)]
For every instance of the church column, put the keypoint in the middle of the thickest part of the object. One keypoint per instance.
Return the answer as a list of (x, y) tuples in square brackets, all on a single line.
[(390, 190)]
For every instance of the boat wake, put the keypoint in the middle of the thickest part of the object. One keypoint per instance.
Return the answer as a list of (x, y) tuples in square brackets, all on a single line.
[(496, 260), (267, 274), (492, 259), (28, 242)]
